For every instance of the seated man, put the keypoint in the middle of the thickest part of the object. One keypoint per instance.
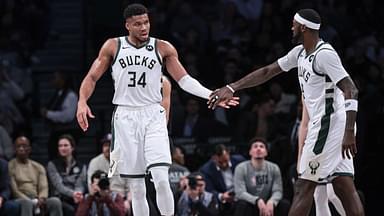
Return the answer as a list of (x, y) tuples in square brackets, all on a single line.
[(101, 162), (101, 200), (218, 174), (195, 200), (7, 207), (29, 182), (258, 184)]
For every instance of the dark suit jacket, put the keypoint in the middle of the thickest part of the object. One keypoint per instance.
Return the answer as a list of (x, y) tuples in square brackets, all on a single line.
[(214, 179)]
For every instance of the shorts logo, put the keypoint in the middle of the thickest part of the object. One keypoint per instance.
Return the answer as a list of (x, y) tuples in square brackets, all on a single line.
[(313, 165), (161, 111)]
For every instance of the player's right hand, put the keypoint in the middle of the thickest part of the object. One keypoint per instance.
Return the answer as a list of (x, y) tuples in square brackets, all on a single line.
[(218, 96), (83, 112)]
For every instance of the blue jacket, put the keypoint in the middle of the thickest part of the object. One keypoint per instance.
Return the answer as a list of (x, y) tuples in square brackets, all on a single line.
[(214, 179)]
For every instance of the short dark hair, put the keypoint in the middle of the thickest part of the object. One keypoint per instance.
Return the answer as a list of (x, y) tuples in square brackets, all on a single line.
[(310, 15), (219, 149), (134, 10), (258, 139)]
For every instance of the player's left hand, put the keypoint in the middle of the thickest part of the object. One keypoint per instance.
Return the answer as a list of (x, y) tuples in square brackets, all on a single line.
[(219, 96), (349, 144)]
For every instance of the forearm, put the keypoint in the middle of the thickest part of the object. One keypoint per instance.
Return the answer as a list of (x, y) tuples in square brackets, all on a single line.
[(257, 77), (87, 87)]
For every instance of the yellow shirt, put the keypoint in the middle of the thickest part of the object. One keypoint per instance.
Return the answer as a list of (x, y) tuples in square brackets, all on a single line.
[(28, 180)]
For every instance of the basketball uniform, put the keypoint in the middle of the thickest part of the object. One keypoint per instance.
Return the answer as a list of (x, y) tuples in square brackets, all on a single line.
[(140, 136), (318, 73)]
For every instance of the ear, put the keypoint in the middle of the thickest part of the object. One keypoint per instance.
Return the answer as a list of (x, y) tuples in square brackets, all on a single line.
[(303, 28), (126, 25)]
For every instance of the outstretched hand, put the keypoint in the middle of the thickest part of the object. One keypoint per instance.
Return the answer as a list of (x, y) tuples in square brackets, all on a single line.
[(83, 112), (222, 97)]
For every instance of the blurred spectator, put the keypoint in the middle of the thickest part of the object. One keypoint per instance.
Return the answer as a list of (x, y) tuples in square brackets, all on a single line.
[(249, 9), (195, 125), (195, 200), (30, 184), (258, 184), (66, 176), (6, 147), (7, 206), (178, 172), (10, 94), (61, 111), (259, 121), (218, 174), (101, 163), (101, 200)]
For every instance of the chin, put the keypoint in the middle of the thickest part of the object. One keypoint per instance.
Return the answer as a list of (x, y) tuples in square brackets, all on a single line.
[(143, 39)]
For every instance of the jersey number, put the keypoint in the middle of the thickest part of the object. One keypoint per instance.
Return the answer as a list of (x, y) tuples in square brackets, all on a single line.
[(133, 82)]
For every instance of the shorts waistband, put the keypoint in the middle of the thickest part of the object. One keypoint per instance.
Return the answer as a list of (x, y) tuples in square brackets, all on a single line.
[(124, 107)]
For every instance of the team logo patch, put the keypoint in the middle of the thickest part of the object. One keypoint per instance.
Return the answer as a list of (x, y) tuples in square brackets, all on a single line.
[(149, 47), (311, 58), (313, 165)]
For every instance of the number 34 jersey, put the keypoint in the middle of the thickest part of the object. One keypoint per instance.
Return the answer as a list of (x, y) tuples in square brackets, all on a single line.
[(136, 72)]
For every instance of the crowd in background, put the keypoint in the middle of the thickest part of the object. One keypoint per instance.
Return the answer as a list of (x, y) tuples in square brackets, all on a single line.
[(218, 41)]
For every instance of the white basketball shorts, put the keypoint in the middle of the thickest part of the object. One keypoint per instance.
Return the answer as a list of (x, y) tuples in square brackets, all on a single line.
[(141, 137), (321, 158)]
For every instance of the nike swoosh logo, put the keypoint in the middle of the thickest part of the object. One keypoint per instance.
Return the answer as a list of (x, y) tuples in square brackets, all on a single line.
[(113, 163), (161, 111), (124, 47)]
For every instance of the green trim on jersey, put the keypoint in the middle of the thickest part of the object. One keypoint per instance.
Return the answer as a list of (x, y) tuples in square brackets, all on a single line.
[(113, 129), (138, 47), (324, 129), (314, 59), (343, 174), (118, 50), (157, 53)]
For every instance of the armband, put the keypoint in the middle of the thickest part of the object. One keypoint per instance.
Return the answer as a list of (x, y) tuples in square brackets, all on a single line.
[(351, 105)]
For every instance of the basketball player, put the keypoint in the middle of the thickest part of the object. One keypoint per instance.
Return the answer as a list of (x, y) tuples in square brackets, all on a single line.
[(330, 97), (139, 121)]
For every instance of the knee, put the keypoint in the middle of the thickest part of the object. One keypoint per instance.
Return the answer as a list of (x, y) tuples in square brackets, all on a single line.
[(54, 202), (25, 203), (138, 191)]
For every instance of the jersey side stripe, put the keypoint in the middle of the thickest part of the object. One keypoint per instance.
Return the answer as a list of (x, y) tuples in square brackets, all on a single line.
[(324, 129), (117, 51)]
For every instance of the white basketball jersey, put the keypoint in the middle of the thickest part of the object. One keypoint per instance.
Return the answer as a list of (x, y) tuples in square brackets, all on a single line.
[(318, 76), (321, 95), (136, 72)]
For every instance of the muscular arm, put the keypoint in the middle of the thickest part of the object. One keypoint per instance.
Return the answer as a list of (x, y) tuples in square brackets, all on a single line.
[(349, 142), (171, 60), (99, 66), (253, 79), (257, 77), (350, 92), (178, 72)]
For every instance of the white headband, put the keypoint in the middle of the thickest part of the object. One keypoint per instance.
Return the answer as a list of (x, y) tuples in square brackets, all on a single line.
[(306, 22)]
